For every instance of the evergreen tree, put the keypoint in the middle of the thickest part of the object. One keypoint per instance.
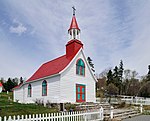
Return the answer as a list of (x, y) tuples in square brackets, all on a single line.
[(21, 80), (110, 77), (9, 85), (121, 70), (116, 77), (120, 74), (148, 75), (91, 64)]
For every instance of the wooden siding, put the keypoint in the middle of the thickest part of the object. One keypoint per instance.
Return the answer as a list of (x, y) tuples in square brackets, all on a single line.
[(69, 79), (53, 91), (0, 89)]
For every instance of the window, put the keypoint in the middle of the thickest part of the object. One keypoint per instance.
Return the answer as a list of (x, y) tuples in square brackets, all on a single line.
[(44, 88), (80, 93), (29, 90), (80, 67)]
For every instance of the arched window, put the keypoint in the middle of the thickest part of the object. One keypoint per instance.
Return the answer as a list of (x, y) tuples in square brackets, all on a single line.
[(44, 88), (29, 90), (80, 67)]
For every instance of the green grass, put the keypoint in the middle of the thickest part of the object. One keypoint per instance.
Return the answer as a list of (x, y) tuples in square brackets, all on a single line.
[(10, 108)]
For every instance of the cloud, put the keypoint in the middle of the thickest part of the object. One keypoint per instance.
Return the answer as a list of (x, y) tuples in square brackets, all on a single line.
[(19, 28), (110, 31)]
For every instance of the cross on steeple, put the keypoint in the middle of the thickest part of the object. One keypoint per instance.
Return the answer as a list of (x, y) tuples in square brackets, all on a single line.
[(73, 10)]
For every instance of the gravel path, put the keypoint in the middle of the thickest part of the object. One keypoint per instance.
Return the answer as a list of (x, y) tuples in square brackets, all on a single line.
[(139, 118)]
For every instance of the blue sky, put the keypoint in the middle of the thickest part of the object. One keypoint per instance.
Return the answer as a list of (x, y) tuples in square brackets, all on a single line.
[(33, 32)]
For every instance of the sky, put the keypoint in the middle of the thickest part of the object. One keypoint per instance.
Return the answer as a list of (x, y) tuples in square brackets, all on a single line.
[(33, 32)]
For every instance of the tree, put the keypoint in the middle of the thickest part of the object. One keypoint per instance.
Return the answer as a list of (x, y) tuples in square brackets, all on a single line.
[(144, 91), (134, 87), (120, 74), (116, 78), (21, 80), (126, 81), (121, 69), (91, 64), (9, 85), (131, 84), (101, 87), (148, 75), (112, 89), (110, 77)]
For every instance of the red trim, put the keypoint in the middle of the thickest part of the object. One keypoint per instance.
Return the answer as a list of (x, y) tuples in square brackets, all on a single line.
[(80, 93)]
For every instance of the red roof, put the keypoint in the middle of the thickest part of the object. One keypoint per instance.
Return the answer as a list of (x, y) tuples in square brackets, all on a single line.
[(51, 68), (74, 24), (1, 84), (57, 65)]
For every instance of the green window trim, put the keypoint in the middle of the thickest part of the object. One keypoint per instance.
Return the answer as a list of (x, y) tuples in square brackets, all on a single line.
[(29, 90), (80, 67), (44, 88)]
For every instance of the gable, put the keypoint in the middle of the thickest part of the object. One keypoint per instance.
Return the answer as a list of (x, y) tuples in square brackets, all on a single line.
[(79, 55)]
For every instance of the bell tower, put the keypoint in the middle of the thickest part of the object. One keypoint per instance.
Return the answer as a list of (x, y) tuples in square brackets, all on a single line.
[(74, 43), (74, 31)]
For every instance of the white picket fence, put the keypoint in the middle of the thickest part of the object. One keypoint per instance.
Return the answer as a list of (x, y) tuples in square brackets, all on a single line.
[(64, 116), (127, 99)]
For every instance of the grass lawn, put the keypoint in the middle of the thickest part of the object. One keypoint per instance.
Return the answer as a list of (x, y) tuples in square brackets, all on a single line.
[(10, 108)]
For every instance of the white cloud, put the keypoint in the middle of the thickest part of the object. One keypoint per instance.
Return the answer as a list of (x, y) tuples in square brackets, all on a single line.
[(110, 30), (19, 28)]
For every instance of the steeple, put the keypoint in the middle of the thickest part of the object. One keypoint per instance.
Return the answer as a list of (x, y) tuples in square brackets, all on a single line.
[(74, 43), (74, 31)]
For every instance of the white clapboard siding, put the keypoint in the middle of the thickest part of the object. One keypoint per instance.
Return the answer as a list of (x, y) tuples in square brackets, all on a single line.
[(69, 79), (1, 89), (64, 116), (53, 91), (61, 87)]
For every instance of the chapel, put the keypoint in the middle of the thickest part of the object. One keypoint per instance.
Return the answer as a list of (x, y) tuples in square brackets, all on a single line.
[(67, 78)]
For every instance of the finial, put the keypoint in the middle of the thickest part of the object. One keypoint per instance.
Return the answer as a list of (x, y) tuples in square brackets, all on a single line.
[(73, 10)]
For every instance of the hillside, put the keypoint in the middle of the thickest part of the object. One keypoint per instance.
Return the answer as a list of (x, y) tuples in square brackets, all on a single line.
[(10, 108)]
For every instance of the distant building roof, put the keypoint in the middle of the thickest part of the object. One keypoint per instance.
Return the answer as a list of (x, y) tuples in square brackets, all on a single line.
[(1, 84)]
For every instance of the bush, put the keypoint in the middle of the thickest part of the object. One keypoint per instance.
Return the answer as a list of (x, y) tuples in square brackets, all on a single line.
[(122, 105), (69, 106)]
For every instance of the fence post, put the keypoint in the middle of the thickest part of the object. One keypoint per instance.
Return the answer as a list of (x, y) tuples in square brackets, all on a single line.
[(111, 112), (18, 118), (22, 117), (101, 113), (141, 108), (5, 119), (9, 118), (85, 118)]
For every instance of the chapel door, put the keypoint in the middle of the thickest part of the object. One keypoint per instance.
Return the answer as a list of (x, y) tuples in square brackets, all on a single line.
[(80, 93)]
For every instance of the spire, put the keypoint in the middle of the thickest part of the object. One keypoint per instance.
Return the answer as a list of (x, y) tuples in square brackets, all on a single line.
[(74, 31), (74, 24), (74, 44)]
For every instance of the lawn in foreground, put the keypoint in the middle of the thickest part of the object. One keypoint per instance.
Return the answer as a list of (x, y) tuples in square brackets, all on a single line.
[(10, 108)]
